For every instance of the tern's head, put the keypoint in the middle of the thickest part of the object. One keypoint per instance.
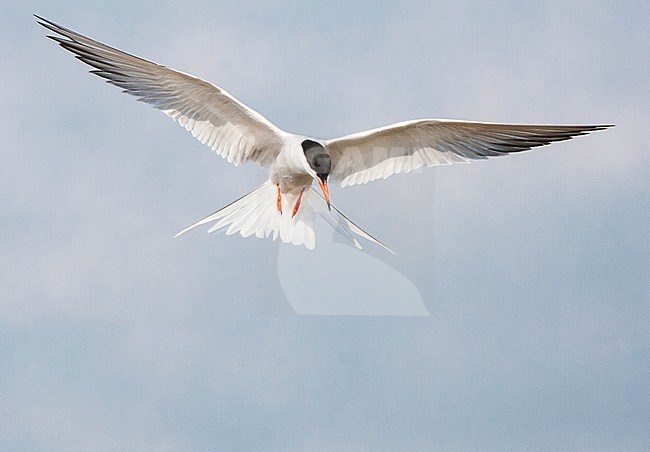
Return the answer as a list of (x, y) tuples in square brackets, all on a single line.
[(319, 161), (317, 158)]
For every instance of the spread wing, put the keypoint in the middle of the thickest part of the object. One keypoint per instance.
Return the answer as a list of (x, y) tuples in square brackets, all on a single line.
[(403, 147), (213, 116)]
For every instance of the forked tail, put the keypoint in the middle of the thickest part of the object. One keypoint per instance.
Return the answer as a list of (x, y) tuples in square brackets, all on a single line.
[(257, 214)]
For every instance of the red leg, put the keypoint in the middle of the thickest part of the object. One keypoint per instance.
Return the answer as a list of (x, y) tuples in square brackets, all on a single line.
[(279, 201), (297, 205)]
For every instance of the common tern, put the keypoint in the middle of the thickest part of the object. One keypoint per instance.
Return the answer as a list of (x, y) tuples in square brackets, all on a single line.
[(286, 205)]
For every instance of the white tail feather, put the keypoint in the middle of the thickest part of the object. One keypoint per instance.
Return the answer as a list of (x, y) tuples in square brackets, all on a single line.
[(257, 214)]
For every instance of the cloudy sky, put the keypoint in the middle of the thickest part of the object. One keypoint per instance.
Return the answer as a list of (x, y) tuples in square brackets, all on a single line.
[(515, 314)]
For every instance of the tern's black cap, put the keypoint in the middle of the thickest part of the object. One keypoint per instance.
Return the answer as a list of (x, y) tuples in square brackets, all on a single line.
[(317, 158)]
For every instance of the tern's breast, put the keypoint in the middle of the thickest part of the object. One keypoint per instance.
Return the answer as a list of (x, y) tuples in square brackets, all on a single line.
[(291, 170), (290, 181)]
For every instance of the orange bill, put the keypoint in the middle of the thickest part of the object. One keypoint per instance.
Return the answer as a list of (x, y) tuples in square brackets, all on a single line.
[(326, 192)]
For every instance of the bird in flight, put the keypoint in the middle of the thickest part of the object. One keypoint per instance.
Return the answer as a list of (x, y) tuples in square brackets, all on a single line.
[(286, 205)]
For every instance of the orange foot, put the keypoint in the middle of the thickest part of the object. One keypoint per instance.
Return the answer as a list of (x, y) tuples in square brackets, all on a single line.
[(297, 205), (279, 201)]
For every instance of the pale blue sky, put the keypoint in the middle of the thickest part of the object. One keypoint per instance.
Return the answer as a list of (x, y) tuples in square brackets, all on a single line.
[(533, 268)]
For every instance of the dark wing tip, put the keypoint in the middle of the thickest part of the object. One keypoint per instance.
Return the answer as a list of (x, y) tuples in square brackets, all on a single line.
[(56, 28), (47, 23), (593, 127)]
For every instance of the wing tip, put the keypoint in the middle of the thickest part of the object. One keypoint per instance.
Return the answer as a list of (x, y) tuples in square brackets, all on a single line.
[(42, 21)]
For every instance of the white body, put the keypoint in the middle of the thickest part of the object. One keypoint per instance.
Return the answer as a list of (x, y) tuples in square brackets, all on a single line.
[(290, 170)]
